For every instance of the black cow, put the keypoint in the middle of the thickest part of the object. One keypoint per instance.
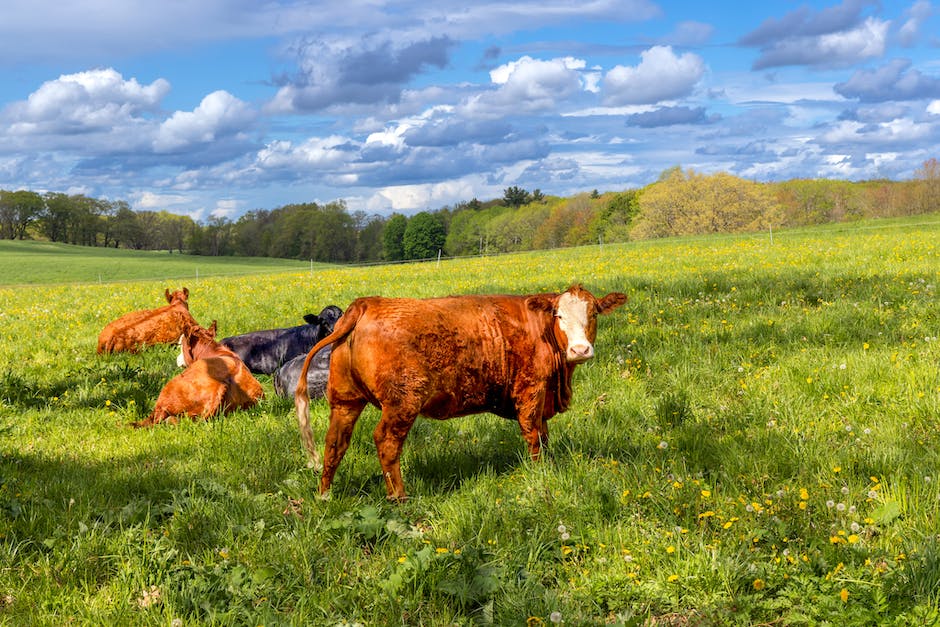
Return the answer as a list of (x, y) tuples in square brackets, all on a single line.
[(266, 351), (285, 379)]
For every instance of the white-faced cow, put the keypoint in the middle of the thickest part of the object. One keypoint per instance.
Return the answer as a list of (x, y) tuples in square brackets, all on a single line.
[(512, 356), (138, 329), (266, 351), (285, 378)]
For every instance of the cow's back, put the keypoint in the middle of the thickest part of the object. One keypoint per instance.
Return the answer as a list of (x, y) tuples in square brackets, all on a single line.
[(138, 328), (445, 356)]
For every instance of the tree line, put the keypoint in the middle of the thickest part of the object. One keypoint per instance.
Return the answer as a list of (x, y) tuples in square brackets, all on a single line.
[(680, 202)]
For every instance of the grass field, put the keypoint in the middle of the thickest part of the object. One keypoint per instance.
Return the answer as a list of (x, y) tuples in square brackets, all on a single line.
[(42, 263), (756, 442)]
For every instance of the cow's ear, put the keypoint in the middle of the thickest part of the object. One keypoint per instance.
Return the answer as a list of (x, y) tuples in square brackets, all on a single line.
[(541, 302), (213, 327), (311, 319), (186, 292), (611, 302), (169, 298)]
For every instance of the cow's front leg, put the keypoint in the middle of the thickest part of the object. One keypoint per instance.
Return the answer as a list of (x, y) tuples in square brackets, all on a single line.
[(534, 428), (389, 436)]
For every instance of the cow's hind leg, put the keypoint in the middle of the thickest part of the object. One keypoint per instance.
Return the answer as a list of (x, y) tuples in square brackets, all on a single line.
[(389, 438), (343, 418)]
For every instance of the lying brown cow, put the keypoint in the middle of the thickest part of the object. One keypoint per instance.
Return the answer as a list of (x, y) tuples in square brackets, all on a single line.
[(215, 381), (512, 356), (137, 329)]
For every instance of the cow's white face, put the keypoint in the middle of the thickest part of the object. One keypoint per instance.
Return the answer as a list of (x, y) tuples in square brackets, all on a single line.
[(577, 318), (181, 359)]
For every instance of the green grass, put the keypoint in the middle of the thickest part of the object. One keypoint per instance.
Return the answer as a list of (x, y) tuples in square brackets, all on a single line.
[(34, 263), (756, 442)]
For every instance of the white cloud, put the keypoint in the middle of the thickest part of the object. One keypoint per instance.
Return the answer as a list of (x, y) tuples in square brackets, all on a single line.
[(660, 75), (219, 113), (527, 85), (411, 198), (85, 101), (315, 152), (891, 133), (934, 107)]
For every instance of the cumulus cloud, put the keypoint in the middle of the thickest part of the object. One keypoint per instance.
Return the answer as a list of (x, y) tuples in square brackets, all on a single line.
[(313, 153), (660, 75), (527, 85), (834, 37), (219, 114), (84, 102), (892, 133), (367, 71), (894, 81)]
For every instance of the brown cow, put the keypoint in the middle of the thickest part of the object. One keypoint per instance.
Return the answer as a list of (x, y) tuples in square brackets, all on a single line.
[(512, 356), (215, 381), (137, 329)]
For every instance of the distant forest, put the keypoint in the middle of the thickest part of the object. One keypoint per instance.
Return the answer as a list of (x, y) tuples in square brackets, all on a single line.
[(680, 202)]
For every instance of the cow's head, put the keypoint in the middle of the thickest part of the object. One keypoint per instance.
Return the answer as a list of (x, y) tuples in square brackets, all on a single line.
[(326, 320), (195, 342), (575, 313), (179, 296)]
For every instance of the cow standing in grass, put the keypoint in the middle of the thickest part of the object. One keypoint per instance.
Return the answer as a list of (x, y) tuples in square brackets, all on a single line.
[(512, 356), (138, 329), (215, 382)]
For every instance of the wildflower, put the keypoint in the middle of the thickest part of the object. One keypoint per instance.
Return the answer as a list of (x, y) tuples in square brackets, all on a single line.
[(442, 549), (844, 594), (830, 503), (562, 529), (840, 507), (845, 489), (555, 617), (853, 539), (670, 549), (663, 445), (758, 584), (673, 578), (804, 495)]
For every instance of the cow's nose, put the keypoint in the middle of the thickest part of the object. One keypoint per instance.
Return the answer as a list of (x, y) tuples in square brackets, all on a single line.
[(580, 352)]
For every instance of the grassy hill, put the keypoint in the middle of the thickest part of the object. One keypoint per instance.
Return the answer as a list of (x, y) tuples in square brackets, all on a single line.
[(755, 442)]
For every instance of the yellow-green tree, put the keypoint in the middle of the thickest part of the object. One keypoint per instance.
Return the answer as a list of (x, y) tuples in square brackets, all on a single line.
[(687, 202)]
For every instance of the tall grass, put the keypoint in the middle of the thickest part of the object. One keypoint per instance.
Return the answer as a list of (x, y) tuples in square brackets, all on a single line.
[(756, 441)]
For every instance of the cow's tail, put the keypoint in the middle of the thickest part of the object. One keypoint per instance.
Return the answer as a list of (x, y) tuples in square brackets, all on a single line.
[(344, 327)]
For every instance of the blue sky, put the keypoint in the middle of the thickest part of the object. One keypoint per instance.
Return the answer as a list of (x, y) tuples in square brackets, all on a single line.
[(219, 107)]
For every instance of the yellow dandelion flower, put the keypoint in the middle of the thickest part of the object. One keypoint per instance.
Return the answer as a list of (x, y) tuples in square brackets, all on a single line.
[(706, 493), (758, 584), (673, 578), (844, 595), (670, 549)]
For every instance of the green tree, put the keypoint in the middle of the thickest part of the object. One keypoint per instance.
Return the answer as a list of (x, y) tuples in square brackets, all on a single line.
[(515, 196), (393, 237), (18, 210), (424, 236)]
